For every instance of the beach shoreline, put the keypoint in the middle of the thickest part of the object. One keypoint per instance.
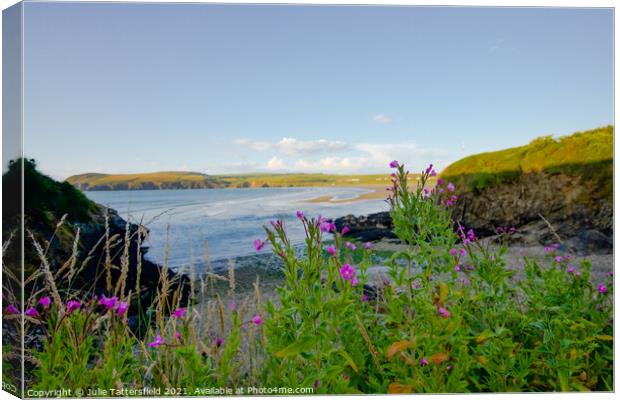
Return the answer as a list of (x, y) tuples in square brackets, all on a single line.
[(375, 192)]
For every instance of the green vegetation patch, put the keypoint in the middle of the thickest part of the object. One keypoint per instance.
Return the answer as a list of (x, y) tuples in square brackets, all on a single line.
[(588, 153)]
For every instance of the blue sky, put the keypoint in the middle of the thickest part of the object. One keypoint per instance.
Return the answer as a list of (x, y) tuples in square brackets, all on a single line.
[(123, 88)]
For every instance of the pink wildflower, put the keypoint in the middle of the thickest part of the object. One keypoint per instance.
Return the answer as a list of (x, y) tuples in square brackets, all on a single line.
[(73, 305), (347, 272), (32, 312), (394, 164), (423, 362), (350, 246), (45, 301), (429, 169), (122, 308), (11, 309), (547, 249), (558, 259), (300, 215), (443, 312), (367, 245), (450, 186), (177, 335), (439, 182), (258, 244), (179, 313), (602, 288), (219, 342), (332, 251), (345, 230), (457, 268), (364, 298), (354, 281), (325, 227), (257, 320), (157, 342), (453, 252), (571, 270), (108, 302)]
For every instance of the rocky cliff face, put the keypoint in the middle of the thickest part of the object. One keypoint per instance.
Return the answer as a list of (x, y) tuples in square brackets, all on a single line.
[(579, 209), (576, 209)]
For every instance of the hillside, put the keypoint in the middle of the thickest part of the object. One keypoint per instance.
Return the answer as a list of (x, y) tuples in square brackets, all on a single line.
[(568, 181), (153, 180), (195, 180), (589, 153)]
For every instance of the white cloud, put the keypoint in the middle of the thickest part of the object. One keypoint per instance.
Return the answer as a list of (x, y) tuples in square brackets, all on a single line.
[(291, 146), (275, 163), (382, 119)]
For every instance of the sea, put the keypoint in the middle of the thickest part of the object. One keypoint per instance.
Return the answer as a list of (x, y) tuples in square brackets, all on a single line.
[(186, 224)]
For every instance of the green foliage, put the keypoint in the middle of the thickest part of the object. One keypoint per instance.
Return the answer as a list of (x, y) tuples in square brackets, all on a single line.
[(448, 317), (588, 153)]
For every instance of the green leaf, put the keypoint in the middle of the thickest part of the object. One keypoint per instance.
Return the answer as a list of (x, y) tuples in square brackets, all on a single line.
[(303, 344)]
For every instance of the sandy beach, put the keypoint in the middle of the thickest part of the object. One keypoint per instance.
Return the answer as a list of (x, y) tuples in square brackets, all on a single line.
[(375, 192)]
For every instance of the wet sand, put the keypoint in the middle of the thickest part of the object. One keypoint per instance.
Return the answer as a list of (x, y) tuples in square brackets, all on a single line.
[(376, 192)]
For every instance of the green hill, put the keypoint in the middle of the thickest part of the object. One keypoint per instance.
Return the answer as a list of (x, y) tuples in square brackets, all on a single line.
[(588, 153), (153, 180), (195, 180)]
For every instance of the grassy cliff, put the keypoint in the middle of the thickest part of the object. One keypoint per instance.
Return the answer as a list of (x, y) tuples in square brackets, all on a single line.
[(588, 153), (196, 180)]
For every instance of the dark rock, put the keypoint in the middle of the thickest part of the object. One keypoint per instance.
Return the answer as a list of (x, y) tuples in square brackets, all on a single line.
[(367, 228)]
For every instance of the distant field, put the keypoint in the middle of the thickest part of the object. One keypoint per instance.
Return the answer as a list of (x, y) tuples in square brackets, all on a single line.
[(586, 153), (196, 180)]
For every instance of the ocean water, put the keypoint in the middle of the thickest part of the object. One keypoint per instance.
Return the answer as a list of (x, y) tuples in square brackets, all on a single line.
[(226, 220)]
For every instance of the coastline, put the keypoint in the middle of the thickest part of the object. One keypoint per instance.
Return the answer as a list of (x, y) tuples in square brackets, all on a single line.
[(375, 192)]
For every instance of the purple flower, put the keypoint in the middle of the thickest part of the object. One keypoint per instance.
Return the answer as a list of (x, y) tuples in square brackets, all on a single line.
[(347, 272), (578, 273), (232, 306), (32, 312), (364, 298), (315, 385), (177, 335), (602, 288), (332, 250), (558, 259), (108, 302), (350, 246), (469, 267), (11, 309), (179, 312), (547, 249), (492, 257), (568, 257), (463, 252), (423, 362), (325, 226), (457, 268), (258, 244), (429, 169), (345, 230), (300, 215), (450, 186), (453, 252), (439, 182), (45, 301), (433, 173), (157, 342), (122, 308), (219, 342), (257, 320), (73, 305), (571, 270), (556, 246), (354, 281), (394, 164), (367, 245), (443, 312)]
